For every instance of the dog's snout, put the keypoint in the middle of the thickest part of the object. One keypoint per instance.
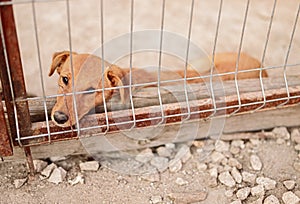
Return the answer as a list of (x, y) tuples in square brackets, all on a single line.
[(60, 117)]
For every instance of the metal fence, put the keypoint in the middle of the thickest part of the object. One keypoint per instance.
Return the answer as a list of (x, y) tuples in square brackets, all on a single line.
[(29, 120)]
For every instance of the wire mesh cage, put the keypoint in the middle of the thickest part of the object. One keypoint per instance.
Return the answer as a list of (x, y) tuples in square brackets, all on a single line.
[(166, 51)]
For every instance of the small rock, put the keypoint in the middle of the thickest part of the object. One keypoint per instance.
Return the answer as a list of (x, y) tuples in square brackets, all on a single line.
[(163, 152), (297, 166), (153, 177), (234, 163), (212, 181), (238, 143), (271, 199), (226, 179), (175, 165), (145, 156), (18, 183), (236, 175), (234, 150), (39, 165), (221, 146), (243, 193), (156, 199), (255, 142), (295, 135), (78, 179), (268, 183), (170, 146), (280, 141), (258, 190), (89, 166), (258, 201), (229, 193), (255, 162), (161, 163), (217, 157), (57, 176), (289, 184), (297, 147), (198, 143), (48, 170), (181, 181), (290, 198), (236, 202), (188, 197), (248, 177), (201, 166), (184, 153), (213, 172), (281, 132)]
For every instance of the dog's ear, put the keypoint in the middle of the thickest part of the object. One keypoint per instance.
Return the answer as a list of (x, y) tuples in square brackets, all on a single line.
[(115, 77), (58, 60)]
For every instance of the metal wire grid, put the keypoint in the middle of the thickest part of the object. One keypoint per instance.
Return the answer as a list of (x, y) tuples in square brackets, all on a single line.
[(158, 83)]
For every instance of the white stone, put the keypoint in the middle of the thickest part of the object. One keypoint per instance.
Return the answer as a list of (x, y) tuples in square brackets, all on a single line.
[(229, 193), (281, 132), (78, 179), (18, 183), (243, 193), (57, 158), (181, 181), (297, 147), (297, 166), (213, 172), (170, 146), (57, 176), (271, 199), (280, 141), (234, 150), (48, 170), (144, 156), (163, 152), (175, 165), (295, 135), (161, 163), (289, 184), (89, 166), (217, 157), (255, 162), (238, 143), (248, 177), (221, 146), (258, 190), (268, 183), (234, 163), (236, 202), (184, 153), (236, 175), (226, 179), (290, 198), (156, 199), (39, 165), (201, 166)]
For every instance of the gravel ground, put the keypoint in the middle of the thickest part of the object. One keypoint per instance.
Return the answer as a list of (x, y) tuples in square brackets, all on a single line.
[(203, 171)]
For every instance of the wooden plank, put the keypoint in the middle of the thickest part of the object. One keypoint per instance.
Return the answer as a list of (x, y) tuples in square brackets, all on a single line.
[(197, 129)]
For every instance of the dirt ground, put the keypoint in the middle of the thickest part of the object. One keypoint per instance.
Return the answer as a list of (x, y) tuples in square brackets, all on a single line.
[(278, 155)]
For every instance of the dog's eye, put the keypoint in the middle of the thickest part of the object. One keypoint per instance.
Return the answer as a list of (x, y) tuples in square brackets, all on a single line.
[(65, 80), (90, 90)]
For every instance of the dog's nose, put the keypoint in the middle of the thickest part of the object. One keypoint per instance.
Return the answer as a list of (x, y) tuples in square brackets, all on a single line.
[(60, 117)]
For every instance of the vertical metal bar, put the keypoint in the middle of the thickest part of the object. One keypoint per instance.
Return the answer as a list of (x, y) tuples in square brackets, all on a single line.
[(213, 60), (238, 60), (186, 61), (102, 64), (287, 58), (72, 68), (264, 56), (130, 64), (14, 77), (41, 70), (29, 160), (160, 61), (5, 144)]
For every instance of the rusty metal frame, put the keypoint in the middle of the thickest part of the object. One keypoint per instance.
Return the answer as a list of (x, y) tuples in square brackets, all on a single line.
[(5, 143)]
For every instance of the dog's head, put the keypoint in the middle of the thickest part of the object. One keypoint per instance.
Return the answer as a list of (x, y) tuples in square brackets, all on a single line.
[(87, 76)]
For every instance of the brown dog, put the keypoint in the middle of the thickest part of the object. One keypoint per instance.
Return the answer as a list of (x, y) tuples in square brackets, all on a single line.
[(88, 76)]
